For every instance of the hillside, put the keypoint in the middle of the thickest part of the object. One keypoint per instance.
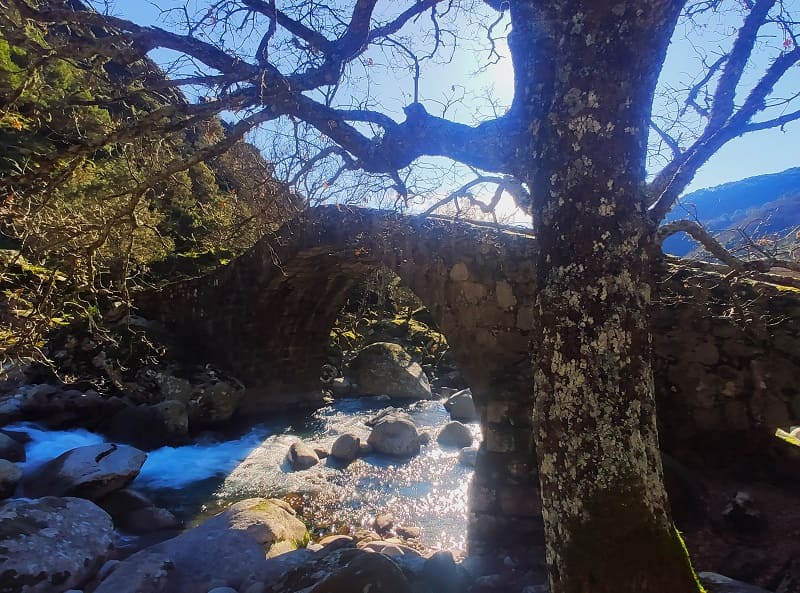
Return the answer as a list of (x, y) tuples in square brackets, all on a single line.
[(764, 208), (87, 209)]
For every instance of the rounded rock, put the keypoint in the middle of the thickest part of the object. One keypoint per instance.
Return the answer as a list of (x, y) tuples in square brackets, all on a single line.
[(395, 435), (461, 406), (87, 472), (10, 449), (52, 543), (301, 456), (10, 475), (386, 368), (346, 448), (455, 434)]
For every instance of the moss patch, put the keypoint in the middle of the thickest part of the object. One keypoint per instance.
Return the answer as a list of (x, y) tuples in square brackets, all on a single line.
[(620, 549), (784, 288)]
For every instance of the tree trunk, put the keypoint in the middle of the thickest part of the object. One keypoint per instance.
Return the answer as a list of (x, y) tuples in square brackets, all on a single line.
[(607, 521), (606, 515)]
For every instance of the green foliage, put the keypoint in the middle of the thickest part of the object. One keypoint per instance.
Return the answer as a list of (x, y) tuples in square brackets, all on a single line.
[(382, 309), (91, 214), (787, 437)]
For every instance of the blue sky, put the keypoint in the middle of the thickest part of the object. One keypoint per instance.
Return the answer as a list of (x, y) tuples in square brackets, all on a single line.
[(753, 154)]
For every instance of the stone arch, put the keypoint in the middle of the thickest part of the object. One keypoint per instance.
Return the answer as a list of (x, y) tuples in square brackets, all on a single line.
[(266, 316)]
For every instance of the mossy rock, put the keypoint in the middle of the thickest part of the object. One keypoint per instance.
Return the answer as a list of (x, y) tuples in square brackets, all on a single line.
[(371, 572), (386, 368)]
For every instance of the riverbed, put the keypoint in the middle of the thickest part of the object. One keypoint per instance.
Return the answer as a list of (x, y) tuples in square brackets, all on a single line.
[(197, 480)]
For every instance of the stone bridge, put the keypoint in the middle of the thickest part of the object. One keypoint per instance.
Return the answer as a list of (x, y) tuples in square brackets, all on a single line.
[(267, 316), (727, 356)]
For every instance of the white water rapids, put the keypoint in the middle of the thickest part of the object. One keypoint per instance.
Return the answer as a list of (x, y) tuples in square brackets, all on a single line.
[(429, 490)]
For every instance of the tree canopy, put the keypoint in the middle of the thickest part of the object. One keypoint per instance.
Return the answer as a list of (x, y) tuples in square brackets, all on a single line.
[(76, 215), (310, 64)]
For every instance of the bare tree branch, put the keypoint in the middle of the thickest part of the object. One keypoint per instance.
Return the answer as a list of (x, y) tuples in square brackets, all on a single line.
[(482, 146), (668, 140), (777, 122), (691, 100), (723, 105), (324, 154), (702, 236), (506, 183), (715, 248), (673, 178), (145, 38)]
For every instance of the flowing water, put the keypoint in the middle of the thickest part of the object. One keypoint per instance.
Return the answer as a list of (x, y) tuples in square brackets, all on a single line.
[(196, 480)]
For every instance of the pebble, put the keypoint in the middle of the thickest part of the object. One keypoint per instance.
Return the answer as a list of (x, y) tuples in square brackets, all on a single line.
[(383, 523), (408, 531)]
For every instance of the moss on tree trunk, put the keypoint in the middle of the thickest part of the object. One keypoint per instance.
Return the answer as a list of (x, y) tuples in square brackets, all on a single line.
[(620, 548)]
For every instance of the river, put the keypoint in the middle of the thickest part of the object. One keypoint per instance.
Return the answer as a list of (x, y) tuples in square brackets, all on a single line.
[(196, 480)]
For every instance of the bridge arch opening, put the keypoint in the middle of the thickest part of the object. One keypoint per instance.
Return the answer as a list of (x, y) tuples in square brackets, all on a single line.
[(381, 308)]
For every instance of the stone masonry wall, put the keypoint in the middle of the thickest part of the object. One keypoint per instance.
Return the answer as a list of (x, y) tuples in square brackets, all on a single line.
[(726, 356), (727, 366)]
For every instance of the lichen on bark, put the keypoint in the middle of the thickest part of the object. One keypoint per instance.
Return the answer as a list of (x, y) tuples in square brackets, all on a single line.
[(605, 507)]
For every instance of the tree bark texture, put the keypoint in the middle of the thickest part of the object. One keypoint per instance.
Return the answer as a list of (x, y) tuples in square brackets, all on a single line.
[(606, 514)]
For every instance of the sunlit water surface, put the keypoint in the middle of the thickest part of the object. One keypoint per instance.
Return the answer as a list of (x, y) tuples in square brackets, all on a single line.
[(194, 481)]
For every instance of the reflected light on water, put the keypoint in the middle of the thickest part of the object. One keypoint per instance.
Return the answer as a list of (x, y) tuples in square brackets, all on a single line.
[(198, 480), (428, 490)]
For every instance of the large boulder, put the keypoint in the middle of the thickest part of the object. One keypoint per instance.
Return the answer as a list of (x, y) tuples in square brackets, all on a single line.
[(173, 388), (344, 570), (386, 412), (371, 572), (461, 406), (214, 402), (346, 448), (51, 544), (443, 574), (385, 368), (301, 456), (174, 416), (395, 435), (229, 548), (341, 387), (87, 472), (455, 434), (11, 449), (10, 474), (134, 512)]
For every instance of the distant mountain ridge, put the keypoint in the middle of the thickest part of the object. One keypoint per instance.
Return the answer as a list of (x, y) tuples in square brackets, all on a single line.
[(764, 206)]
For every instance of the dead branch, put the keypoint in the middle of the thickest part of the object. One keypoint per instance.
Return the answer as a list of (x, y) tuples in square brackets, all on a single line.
[(715, 248)]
